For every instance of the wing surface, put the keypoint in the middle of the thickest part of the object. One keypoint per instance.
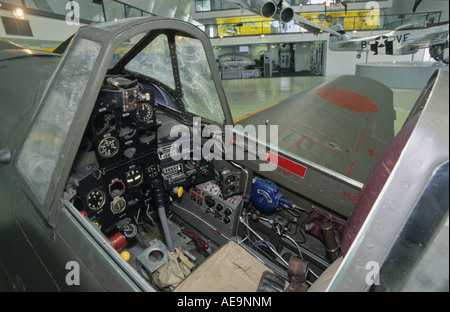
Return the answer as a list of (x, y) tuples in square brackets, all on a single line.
[(344, 124)]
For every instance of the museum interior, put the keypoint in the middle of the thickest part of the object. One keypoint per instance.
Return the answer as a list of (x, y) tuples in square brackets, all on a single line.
[(289, 57), (277, 62), (292, 58)]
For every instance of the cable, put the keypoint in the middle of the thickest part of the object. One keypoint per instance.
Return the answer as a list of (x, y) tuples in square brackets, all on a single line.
[(296, 245), (258, 243), (300, 253), (241, 219)]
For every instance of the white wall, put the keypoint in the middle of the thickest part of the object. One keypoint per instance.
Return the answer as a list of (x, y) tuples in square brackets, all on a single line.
[(44, 29), (344, 63)]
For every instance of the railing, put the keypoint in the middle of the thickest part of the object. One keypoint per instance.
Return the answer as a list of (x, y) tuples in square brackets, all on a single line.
[(218, 5), (359, 21), (88, 11)]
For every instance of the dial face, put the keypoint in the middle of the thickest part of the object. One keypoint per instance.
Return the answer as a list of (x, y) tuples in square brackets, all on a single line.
[(118, 205), (116, 188), (152, 171), (96, 199), (130, 230), (108, 147), (144, 112), (134, 177)]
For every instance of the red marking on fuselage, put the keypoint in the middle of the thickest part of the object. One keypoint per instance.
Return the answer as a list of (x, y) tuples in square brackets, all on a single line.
[(349, 100), (286, 164)]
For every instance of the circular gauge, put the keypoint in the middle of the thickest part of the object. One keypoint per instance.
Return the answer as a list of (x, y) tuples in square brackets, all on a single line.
[(152, 171), (134, 177), (96, 199), (116, 188), (118, 205), (144, 112), (108, 147), (130, 230)]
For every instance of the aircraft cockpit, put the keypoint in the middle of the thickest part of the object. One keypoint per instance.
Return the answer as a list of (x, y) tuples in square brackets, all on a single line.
[(182, 202), (151, 177)]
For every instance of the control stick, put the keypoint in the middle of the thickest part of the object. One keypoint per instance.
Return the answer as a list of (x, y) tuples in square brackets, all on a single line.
[(158, 194)]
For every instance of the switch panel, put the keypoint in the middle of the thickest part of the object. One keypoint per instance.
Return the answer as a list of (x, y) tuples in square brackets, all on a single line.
[(207, 211)]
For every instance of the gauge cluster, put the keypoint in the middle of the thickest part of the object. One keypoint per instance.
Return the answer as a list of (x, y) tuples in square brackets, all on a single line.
[(110, 194), (123, 135), (129, 155), (123, 124)]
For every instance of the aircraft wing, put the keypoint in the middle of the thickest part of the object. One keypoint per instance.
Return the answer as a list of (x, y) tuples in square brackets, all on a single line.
[(281, 11), (315, 28), (241, 3), (344, 124)]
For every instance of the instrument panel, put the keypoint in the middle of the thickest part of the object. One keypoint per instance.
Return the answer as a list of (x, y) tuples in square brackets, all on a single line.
[(123, 131), (123, 125)]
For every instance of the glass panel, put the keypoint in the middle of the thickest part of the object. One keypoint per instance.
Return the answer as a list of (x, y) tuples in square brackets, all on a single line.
[(90, 11), (199, 91), (154, 61), (44, 144), (125, 47), (114, 10), (16, 2), (86, 9), (132, 12)]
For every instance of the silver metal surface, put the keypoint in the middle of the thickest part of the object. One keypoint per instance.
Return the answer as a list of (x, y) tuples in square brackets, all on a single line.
[(153, 257), (426, 150)]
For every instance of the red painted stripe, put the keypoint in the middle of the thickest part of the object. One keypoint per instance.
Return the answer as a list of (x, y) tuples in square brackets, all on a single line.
[(287, 164)]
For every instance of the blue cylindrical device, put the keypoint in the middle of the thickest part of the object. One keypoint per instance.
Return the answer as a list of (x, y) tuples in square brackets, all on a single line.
[(265, 195)]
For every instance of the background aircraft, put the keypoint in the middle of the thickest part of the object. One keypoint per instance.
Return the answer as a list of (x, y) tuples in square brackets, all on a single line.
[(235, 60), (280, 10), (407, 39)]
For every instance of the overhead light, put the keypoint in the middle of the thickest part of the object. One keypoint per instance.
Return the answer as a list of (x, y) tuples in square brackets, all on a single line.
[(18, 13)]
